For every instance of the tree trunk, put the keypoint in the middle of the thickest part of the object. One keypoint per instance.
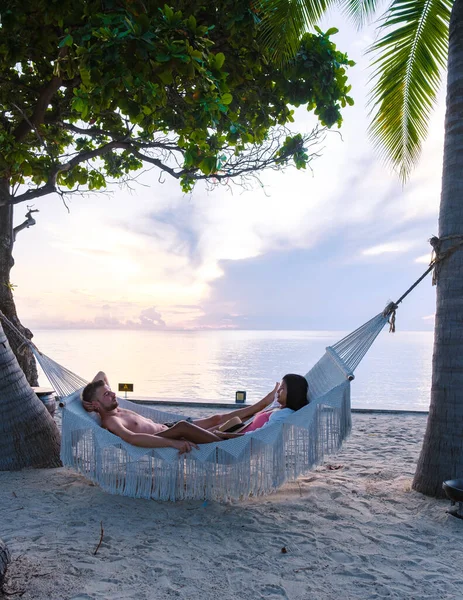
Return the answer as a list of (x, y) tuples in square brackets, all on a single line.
[(29, 436), (442, 453), (23, 353), (4, 561)]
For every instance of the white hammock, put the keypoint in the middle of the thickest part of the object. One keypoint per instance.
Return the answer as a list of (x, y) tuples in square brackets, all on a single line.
[(252, 464)]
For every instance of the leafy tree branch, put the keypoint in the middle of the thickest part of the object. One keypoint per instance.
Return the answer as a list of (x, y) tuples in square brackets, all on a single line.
[(93, 91)]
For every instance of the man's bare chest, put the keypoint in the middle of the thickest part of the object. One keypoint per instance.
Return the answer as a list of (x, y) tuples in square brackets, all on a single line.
[(136, 423)]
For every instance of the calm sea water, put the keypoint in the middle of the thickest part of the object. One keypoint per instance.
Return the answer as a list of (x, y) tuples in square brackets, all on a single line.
[(395, 374)]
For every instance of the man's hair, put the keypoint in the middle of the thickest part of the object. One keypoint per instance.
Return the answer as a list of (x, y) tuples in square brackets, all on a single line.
[(88, 394), (297, 387)]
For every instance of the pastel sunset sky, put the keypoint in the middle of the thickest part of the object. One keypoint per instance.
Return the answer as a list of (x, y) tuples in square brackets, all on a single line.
[(320, 249)]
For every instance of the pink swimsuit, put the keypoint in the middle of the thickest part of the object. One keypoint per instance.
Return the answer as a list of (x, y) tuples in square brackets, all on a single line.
[(259, 421)]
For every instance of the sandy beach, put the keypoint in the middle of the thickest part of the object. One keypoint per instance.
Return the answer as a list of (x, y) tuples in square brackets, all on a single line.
[(352, 528)]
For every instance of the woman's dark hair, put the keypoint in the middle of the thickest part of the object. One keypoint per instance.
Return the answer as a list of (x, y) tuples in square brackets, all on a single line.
[(297, 387)]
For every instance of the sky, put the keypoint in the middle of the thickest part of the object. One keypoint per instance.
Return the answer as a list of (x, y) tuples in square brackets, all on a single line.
[(322, 249)]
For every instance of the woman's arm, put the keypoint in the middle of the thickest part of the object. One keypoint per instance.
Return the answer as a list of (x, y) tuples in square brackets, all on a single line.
[(244, 413)]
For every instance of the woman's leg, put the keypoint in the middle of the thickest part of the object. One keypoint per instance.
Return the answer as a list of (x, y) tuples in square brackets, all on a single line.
[(189, 432), (243, 413)]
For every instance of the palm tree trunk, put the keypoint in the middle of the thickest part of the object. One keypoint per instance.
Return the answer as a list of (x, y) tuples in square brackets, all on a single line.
[(29, 436), (442, 453)]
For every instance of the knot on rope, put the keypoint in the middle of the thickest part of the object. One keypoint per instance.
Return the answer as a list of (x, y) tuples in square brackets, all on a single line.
[(389, 312), (437, 256)]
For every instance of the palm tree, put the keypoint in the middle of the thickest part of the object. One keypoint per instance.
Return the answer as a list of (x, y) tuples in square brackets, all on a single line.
[(409, 63), (442, 453), (29, 436)]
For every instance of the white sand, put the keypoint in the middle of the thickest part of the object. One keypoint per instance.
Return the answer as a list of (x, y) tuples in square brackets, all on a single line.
[(357, 531)]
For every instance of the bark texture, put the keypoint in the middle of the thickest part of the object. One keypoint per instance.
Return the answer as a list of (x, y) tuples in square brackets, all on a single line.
[(23, 354), (442, 453), (4, 561), (29, 436)]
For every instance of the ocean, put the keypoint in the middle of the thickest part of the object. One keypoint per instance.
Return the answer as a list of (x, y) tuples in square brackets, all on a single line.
[(395, 374)]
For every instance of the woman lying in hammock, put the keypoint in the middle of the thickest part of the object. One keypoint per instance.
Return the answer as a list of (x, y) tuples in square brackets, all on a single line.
[(135, 429), (291, 395)]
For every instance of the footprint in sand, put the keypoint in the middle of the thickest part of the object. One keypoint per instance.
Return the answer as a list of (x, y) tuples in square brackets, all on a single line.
[(270, 591), (336, 495), (342, 558)]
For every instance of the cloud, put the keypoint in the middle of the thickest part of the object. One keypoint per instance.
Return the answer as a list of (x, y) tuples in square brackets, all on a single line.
[(387, 248), (148, 319), (151, 319)]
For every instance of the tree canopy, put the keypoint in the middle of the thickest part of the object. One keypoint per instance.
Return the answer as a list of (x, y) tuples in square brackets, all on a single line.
[(92, 90)]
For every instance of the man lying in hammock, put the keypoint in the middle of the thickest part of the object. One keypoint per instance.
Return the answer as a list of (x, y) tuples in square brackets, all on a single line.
[(135, 429)]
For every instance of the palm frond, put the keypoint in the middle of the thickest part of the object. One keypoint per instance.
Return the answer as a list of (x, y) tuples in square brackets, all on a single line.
[(359, 11), (408, 70), (282, 23)]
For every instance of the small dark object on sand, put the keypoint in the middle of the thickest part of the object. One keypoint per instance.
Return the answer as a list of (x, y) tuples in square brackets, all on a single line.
[(454, 490)]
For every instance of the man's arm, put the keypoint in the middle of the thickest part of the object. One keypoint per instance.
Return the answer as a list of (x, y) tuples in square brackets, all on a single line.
[(147, 440), (100, 376)]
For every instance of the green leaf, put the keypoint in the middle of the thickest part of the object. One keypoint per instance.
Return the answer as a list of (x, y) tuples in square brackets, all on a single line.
[(208, 165), (168, 12), (192, 23), (219, 60), (26, 169), (85, 76), (66, 41), (166, 77), (226, 99), (78, 104)]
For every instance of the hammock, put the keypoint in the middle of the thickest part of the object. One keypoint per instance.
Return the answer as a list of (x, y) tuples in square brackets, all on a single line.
[(253, 464)]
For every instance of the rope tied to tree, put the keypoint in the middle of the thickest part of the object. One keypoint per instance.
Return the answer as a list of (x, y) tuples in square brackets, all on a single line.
[(436, 258), (25, 341)]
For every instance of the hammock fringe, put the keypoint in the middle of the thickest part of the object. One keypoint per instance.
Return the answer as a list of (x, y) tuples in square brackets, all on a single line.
[(218, 471)]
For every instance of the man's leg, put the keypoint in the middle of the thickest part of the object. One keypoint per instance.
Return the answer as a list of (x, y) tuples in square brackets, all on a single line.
[(243, 413), (190, 432)]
